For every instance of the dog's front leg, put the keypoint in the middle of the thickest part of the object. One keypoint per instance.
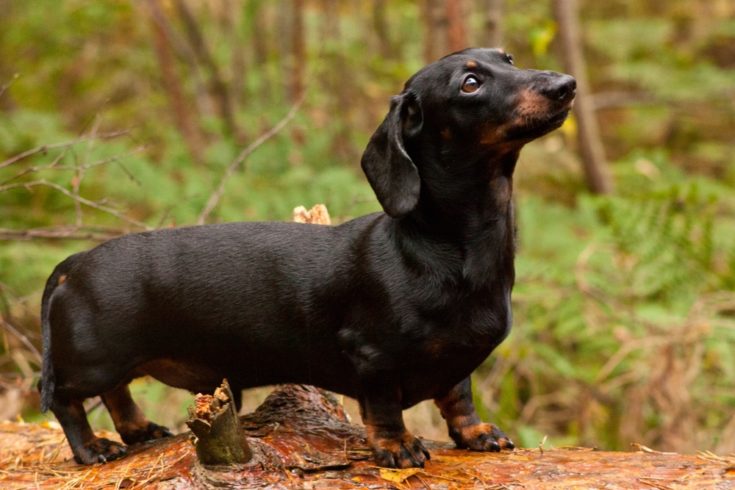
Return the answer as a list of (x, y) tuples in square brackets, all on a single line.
[(465, 426), (393, 446)]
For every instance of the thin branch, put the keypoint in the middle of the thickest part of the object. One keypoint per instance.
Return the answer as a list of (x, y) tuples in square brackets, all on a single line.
[(54, 146), (54, 166), (79, 173), (60, 233), (80, 199), (216, 196), (24, 340)]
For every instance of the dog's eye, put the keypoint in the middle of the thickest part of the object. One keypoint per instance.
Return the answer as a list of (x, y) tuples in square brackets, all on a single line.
[(470, 84), (509, 58)]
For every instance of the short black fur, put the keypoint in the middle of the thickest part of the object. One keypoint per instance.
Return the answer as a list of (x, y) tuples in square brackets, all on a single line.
[(391, 308)]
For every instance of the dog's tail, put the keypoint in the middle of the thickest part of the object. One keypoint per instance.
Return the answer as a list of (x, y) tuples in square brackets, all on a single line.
[(47, 383)]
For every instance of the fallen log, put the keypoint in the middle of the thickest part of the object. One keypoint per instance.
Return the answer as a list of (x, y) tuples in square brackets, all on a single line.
[(301, 438)]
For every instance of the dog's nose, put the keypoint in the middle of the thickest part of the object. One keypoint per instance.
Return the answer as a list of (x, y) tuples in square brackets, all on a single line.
[(562, 88)]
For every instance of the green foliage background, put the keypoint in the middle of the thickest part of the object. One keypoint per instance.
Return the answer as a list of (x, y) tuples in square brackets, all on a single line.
[(624, 305)]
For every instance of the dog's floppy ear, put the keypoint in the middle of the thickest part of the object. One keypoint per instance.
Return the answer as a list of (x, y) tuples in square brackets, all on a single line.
[(389, 169)]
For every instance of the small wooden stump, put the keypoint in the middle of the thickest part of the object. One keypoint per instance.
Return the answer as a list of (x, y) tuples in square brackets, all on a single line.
[(213, 420), (317, 215)]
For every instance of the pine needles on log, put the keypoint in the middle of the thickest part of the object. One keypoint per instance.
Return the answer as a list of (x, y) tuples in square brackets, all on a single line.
[(301, 438)]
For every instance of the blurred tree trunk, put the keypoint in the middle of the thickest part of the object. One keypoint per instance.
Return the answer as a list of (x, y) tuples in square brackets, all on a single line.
[(456, 25), (232, 20), (330, 19), (218, 86), (435, 29), (596, 173), (337, 79), (184, 53), (380, 28), (6, 73), (260, 47), (257, 17), (284, 28), (298, 51), (184, 118), (493, 28), (297, 84)]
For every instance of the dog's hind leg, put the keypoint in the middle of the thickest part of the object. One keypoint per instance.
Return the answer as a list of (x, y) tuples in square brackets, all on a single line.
[(129, 420), (465, 426), (86, 447)]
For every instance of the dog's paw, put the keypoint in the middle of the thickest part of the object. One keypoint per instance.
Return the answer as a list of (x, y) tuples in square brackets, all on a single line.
[(148, 433), (99, 450), (481, 437), (404, 451)]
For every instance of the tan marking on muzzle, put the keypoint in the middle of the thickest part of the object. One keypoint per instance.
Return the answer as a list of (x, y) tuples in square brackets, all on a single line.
[(530, 105)]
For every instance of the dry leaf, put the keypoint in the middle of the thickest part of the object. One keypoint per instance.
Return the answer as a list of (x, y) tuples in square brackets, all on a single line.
[(398, 476)]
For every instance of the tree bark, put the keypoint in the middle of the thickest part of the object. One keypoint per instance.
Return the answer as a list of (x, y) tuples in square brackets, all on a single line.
[(493, 28), (232, 19), (259, 35), (456, 25), (298, 52), (180, 107), (218, 86), (592, 151), (435, 30), (380, 29), (334, 80)]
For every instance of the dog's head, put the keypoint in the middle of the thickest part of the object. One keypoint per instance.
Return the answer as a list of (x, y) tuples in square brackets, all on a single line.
[(456, 115)]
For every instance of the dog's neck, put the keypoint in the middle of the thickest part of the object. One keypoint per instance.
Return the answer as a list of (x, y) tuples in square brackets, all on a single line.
[(472, 221)]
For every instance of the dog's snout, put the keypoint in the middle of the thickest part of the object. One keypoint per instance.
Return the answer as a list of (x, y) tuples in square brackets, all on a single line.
[(561, 88)]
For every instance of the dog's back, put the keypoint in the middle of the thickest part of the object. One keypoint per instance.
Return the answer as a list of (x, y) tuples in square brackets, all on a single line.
[(192, 294)]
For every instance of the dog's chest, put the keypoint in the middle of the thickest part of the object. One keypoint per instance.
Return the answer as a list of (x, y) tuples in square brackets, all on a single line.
[(449, 352), (470, 332)]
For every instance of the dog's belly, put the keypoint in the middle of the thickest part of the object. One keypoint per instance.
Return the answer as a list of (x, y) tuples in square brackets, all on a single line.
[(195, 377)]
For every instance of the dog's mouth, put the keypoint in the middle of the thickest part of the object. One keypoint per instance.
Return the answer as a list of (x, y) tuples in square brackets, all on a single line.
[(536, 125), (557, 119)]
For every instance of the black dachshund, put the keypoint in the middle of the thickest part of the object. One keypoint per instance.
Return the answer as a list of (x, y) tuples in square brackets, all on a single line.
[(391, 308)]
